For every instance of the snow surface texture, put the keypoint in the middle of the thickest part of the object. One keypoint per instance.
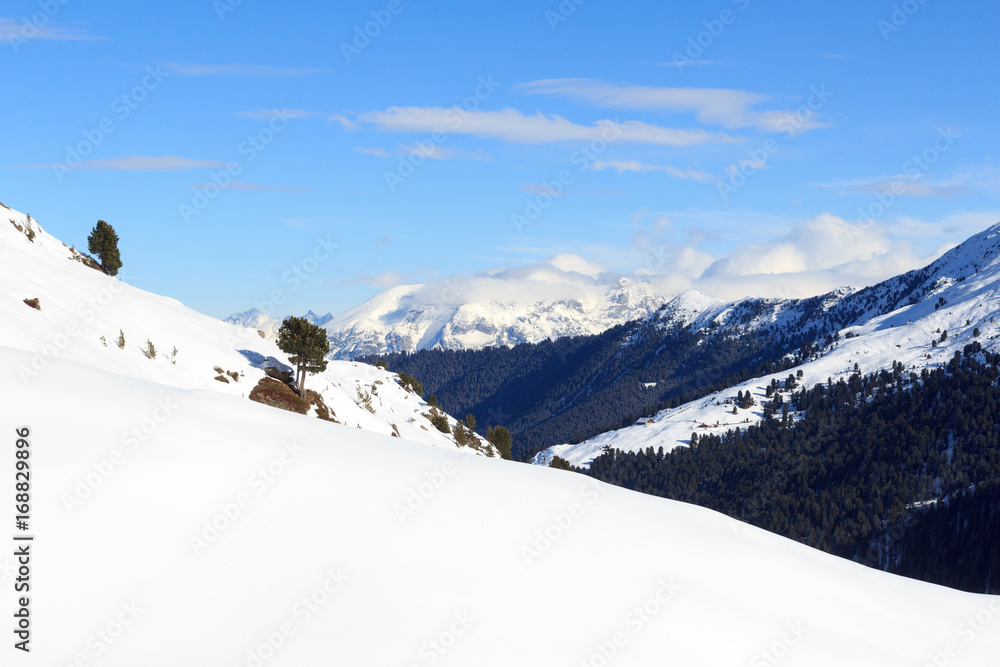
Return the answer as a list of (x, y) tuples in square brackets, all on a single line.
[(80, 306), (964, 284), (229, 533)]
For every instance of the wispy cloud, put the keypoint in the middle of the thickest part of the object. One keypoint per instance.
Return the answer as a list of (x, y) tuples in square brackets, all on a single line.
[(345, 122), (439, 152), (13, 31), (292, 114), (682, 63), (140, 163), (512, 125), (377, 152), (900, 186), (249, 186), (640, 168), (732, 109), (248, 71)]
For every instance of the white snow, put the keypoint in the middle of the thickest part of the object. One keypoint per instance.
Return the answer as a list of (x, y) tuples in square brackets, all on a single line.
[(178, 523)]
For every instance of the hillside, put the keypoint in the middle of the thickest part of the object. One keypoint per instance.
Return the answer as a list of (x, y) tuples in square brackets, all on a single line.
[(900, 320), (83, 312)]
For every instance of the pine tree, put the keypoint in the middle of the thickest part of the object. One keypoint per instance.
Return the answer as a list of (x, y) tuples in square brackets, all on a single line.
[(121, 339), (306, 346), (500, 438), (103, 242)]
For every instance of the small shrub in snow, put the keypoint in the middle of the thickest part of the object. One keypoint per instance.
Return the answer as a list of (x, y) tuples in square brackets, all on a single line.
[(121, 340), (33, 303), (150, 350)]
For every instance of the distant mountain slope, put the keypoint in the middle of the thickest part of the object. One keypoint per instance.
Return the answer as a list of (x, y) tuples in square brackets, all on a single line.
[(901, 319), (402, 319)]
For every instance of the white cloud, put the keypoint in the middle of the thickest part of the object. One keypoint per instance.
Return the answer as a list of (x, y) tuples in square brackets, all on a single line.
[(899, 186), (249, 186), (439, 152), (816, 257), (377, 152), (961, 224), (345, 123), (13, 31), (140, 163), (512, 125), (640, 168), (249, 71), (293, 114), (731, 109)]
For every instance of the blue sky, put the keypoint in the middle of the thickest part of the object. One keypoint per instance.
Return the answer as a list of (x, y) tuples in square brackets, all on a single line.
[(736, 147)]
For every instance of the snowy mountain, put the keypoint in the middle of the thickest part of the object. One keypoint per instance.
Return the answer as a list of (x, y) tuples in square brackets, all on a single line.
[(903, 319), (168, 505), (450, 317), (318, 320), (82, 313), (255, 319)]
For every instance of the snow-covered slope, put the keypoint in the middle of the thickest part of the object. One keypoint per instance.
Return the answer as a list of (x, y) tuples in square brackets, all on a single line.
[(902, 319), (234, 534), (83, 312), (403, 319)]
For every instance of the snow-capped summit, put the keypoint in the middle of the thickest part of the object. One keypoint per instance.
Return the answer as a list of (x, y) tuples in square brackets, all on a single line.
[(255, 319), (484, 311), (318, 320)]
